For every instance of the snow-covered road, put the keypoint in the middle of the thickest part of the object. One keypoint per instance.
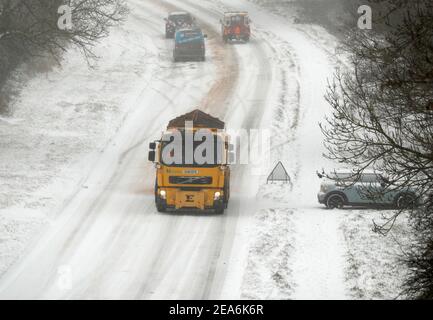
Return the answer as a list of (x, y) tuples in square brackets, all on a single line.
[(108, 241)]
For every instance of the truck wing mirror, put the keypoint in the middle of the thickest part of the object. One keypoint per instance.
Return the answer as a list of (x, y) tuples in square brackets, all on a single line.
[(152, 146), (152, 156)]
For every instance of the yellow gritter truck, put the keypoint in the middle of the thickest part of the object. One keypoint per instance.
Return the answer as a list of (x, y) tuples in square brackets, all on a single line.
[(192, 164)]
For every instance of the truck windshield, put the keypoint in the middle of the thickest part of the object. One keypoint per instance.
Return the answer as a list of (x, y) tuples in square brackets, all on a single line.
[(202, 154), (236, 20)]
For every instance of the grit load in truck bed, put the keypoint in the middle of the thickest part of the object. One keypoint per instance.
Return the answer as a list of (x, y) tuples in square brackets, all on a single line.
[(192, 164)]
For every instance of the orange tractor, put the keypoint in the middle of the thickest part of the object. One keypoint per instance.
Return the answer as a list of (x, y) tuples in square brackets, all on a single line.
[(236, 26)]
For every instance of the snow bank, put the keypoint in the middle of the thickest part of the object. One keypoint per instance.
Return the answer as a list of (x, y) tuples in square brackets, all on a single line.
[(373, 270), (61, 121), (267, 275)]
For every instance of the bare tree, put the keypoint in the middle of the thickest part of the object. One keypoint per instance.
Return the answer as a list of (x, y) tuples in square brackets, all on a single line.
[(31, 25), (30, 28), (382, 109)]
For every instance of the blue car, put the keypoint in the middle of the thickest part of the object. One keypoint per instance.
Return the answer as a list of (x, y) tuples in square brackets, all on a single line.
[(343, 188), (189, 44)]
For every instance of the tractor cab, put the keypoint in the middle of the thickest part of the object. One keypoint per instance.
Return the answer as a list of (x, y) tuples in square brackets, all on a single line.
[(236, 26)]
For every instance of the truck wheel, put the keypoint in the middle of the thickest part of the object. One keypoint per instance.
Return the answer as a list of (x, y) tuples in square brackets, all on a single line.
[(219, 211), (161, 207), (335, 201), (226, 196), (219, 207)]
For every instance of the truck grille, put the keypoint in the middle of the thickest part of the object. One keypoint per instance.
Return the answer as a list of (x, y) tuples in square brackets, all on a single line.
[(190, 180)]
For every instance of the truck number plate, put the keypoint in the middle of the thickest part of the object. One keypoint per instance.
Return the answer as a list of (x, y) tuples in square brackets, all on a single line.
[(190, 172)]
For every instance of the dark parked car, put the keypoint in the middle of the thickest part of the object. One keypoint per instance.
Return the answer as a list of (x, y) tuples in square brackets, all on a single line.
[(189, 44), (177, 20)]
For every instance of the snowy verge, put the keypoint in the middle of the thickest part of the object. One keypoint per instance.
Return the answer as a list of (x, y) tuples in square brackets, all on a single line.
[(61, 121), (373, 269), (267, 275)]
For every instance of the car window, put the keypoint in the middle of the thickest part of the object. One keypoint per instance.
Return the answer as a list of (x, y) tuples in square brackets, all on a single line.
[(343, 177), (369, 178)]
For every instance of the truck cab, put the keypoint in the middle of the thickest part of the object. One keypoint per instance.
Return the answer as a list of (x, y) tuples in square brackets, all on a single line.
[(236, 26), (192, 165)]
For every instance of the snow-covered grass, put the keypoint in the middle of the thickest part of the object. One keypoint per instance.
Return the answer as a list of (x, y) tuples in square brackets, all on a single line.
[(333, 254), (373, 269), (294, 247), (330, 14), (267, 275), (61, 120)]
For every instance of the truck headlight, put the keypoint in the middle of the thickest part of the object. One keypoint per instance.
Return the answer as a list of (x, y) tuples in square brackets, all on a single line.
[(163, 194), (217, 195)]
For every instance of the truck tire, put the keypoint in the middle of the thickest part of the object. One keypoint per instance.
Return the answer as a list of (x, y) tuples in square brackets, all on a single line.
[(219, 211), (226, 195), (160, 206)]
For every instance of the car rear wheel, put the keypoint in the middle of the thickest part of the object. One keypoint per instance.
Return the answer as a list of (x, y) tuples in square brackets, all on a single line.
[(405, 201), (335, 201)]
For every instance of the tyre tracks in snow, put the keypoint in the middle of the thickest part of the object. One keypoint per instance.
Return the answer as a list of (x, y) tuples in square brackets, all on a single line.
[(109, 236)]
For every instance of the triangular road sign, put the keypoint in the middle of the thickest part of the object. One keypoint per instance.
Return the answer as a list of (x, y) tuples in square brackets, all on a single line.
[(279, 174)]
